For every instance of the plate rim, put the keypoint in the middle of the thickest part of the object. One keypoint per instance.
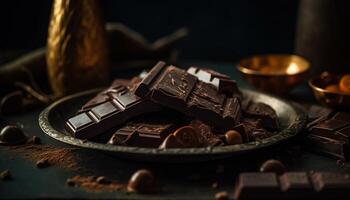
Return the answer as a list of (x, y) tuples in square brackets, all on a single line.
[(283, 135)]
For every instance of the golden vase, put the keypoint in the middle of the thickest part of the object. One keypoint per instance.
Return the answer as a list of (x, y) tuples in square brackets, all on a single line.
[(77, 55)]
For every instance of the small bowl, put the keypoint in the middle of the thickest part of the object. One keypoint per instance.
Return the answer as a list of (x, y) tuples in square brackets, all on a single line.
[(332, 99), (274, 73)]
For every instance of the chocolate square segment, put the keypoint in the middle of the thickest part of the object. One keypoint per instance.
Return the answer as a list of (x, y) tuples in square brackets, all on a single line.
[(331, 185), (80, 121), (257, 186), (103, 110)]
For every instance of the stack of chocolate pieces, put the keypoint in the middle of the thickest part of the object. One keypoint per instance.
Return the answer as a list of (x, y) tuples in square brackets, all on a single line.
[(328, 132), (173, 108), (292, 185)]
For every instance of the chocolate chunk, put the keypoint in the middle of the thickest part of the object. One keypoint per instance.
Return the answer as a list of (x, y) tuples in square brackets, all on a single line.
[(257, 186), (273, 166), (103, 180), (208, 138), (43, 163), (5, 175), (12, 103), (221, 195), (241, 129), (34, 140), (146, 131), (222, 82), (99, 116), (328, 127), (266, 114), (177, 89), (342, 116), (334, 148), (296, 185), (142, 181), (331, 185), (12, 135)]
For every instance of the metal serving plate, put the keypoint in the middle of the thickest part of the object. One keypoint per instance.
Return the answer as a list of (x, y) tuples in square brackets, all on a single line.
[(52, 120)]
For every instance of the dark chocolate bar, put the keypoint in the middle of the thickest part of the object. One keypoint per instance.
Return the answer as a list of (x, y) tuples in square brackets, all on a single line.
[(292, 185), (118, 104), (222, 82), (329, 133), (175, 88), (335, 148), (146, 131)]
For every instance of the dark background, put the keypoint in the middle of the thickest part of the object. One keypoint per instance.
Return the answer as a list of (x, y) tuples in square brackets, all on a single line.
[(219, 30)]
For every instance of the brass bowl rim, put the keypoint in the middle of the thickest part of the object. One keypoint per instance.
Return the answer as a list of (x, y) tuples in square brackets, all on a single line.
[(319, 89), (246, 70)]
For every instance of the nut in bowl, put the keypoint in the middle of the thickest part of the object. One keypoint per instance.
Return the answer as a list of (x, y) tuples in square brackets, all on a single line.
[(274, 73), (332, 89)]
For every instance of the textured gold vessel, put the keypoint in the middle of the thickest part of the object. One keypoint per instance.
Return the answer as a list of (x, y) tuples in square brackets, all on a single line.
[(77, 55), (274, 73), (332, 99)]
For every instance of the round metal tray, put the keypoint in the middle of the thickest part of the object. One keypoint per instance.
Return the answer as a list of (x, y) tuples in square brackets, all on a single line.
[(52, 119)]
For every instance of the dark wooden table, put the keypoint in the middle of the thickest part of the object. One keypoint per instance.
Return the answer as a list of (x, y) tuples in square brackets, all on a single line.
[(175, 181)]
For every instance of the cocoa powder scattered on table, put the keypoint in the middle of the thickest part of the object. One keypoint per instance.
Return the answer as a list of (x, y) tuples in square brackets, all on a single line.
[(62, 157), (91, 184)]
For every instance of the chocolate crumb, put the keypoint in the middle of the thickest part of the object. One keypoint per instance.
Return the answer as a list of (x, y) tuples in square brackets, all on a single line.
[(43, 163), (91, 184), (62, 157), (5, 175), (103, 180), (34, 140), (223, 195)]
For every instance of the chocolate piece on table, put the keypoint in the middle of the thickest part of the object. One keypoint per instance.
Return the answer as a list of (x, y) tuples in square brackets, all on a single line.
[(331, 185), (296, 185), (121, 106), (175, 88), (208, 138), (146, 131), (257, 186), (222, 82), (265, 113), (335, 148), (328, 127)]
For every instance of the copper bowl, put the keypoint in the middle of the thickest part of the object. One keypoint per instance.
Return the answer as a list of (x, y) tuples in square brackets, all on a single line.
[(274, 73), (332, 99)]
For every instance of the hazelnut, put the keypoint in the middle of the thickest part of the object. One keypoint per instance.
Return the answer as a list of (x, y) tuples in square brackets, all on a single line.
[(12, 135), (233, 137), (187, 136), (273, 166), (142, 181)]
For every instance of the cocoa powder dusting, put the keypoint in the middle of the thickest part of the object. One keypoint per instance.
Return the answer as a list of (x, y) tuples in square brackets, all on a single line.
[(91, 184), (62, 157)]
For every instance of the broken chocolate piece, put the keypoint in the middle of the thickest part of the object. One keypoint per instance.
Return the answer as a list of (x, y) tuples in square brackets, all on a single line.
[(175, 88), (146, 131), (264, 113), (208, 138)]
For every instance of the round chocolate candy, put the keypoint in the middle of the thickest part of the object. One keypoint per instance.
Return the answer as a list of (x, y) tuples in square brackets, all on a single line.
[(142, 181), (170, 142), (273, 166), (233, 137), (12, 135), (187, 136)]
